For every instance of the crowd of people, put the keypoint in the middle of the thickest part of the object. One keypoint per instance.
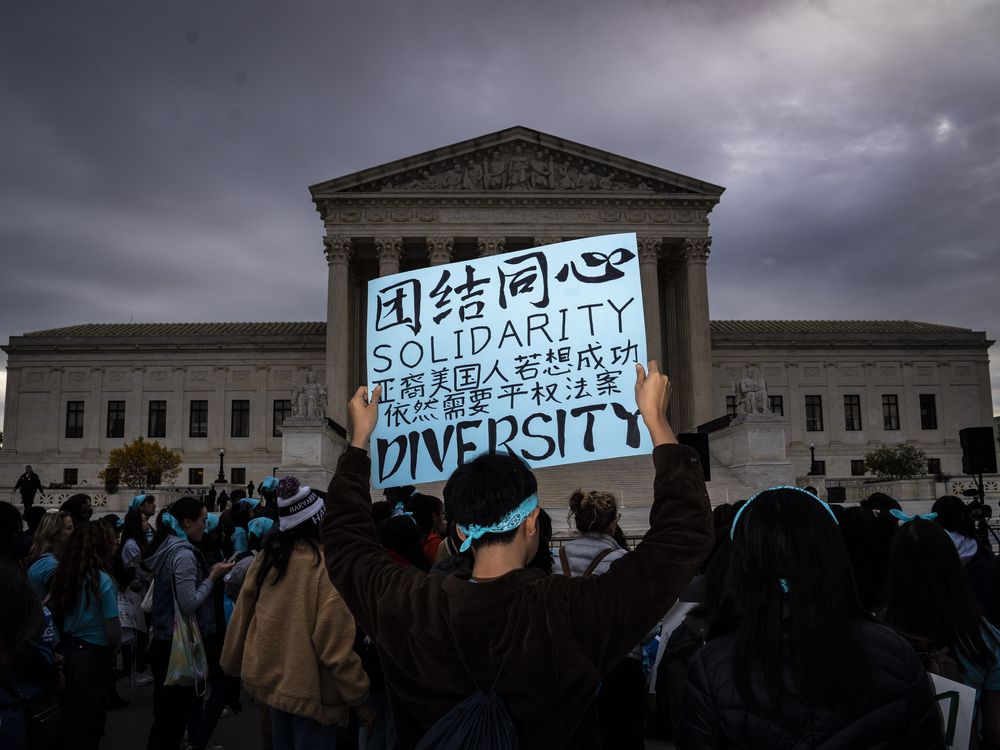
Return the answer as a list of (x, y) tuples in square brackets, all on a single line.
[(416, 622)]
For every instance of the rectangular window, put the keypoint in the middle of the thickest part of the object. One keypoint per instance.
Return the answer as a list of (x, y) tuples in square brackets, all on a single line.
[(71, 477), (196, 476), (282, 411), (731, 406), (814, 413), (777, 405), (819, 467), (116, 419), (199, 419), (238, 476), (890, 411), (928, 412), (852, 413), (857, 467), (933, 465), (74, 419), (241, 418), (157, 419)]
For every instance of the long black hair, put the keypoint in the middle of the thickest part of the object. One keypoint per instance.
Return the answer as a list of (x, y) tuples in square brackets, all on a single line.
[(132, 529), (787, 609), (929, 596), (189, 508), (277, 548)]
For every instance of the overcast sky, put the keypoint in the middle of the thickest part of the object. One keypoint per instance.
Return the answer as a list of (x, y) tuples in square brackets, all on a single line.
[(155, 156)]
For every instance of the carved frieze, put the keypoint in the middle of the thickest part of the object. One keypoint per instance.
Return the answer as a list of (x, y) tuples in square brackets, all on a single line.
[(518, 166), (514, 215)]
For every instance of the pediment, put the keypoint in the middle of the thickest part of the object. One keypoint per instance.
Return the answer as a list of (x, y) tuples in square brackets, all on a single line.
[(517, 160)]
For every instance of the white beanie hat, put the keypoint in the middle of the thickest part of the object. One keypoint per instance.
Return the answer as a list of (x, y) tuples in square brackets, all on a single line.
[(297, 504)]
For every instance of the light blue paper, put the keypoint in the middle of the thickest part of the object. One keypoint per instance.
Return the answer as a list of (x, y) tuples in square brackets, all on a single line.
[(489, 354)]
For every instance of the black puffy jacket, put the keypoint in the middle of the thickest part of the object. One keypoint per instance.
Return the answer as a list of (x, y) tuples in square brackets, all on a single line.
[(897, 710)]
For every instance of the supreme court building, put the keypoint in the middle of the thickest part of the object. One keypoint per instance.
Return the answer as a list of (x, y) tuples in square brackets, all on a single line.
[(842, 387)]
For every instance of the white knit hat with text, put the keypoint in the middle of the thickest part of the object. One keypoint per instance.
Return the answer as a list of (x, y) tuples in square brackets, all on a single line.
[(297, 504)]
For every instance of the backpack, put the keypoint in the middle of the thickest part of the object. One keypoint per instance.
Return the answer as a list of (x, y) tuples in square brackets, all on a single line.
[(564, 559), (935, 661), (480, 722)]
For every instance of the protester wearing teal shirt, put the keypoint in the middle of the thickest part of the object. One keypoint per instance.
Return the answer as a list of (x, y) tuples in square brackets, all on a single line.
[(86, 621), (40, 574)]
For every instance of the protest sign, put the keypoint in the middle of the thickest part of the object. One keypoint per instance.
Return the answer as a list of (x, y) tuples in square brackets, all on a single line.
[(957, 703), (531, 352)]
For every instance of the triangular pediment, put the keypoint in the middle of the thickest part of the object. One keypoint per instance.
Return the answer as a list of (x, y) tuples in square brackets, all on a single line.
[(517, 160)]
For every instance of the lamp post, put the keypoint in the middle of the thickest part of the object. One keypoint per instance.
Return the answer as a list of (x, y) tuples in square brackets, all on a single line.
[(221, 479), (812, 459)]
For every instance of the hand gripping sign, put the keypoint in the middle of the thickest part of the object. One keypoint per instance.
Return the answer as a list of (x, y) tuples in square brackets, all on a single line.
[(531, 352)]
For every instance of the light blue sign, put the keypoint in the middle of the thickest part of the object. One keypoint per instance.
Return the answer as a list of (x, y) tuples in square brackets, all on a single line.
[(531, 352)]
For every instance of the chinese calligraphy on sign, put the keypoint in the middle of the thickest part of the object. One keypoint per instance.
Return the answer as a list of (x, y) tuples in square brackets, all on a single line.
[(530, 352)]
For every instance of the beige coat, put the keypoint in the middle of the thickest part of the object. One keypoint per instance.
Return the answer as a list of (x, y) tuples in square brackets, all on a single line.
[(292, 644)]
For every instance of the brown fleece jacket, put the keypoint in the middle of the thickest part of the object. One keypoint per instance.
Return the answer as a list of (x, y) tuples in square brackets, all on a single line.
[(293, 644), (549, 638)]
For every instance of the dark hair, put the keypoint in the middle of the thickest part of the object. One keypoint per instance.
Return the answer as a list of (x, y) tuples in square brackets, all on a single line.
[(929, 595), (593, 511), (398, 494), (812, 490), (777, 540), (111, 519), (880, 501), (87, 554), (867, 535), (954, 515), (74, 505), (10, 531), (402, 535), (543, 557), (33, 516), (381, 510), (277, 548), (22, 620), (487, 488), (184, 508), (240, 513), (132, 529), (423, 507)]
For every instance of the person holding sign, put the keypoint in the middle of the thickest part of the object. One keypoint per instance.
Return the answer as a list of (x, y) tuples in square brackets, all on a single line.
[(793, 660), (931, 604), (543, 642)]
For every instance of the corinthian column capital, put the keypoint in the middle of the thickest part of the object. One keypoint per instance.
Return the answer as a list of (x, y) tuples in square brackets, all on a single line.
[(338, 250), (439, 250), (491, 245), (696, 249), (649, 249)]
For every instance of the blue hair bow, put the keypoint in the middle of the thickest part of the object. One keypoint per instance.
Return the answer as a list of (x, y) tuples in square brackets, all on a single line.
[(904, 518), (136, 501), (175, 525), (268, 484), (260, 526), (509, 522), (211, 522)]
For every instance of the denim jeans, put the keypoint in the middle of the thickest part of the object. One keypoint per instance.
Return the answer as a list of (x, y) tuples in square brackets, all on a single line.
[(291, 732)]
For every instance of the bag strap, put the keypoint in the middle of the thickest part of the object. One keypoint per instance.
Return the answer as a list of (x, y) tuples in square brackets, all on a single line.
[(596, 561), (564, 559)]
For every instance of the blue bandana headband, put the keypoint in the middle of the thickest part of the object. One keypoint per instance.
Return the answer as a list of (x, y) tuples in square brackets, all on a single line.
[(175, 525), (136, 501), (269, 484), (736, 518), (508, 523), (253, 502), (903, 518), (260, 526), (211, 523)]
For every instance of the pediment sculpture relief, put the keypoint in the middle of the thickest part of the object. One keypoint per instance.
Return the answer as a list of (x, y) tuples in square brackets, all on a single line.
[(518, 167)]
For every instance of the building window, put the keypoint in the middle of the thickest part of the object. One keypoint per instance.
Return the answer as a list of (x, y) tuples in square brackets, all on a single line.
[(731, 406), (857, 467), (852, 413), (71, 477), (199, 419), (74, 419), (933, 465), (196, 476), (241, 418), (814, 413), (116, 419), (282, 411), (928, 412), (238, 476), (890, 411), (157, 419), (819, 467), (777, 405)]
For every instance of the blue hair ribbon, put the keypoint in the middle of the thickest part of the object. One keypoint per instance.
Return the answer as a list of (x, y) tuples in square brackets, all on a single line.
[(268, 484), (260, 526), (136, 501), (509, 522), (904, 518), (817, 498), (211, 522), (175, 525)]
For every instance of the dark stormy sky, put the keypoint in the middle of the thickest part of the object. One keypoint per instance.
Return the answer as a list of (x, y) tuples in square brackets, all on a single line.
[(155, 156)]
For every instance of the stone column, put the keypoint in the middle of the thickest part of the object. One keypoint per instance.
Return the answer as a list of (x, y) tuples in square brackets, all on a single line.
[(10, 407), (92, 430), (439, 250), (649, 256), (338, 386), (683, 373), (546, 240), (492, 246), (699, 330), (388, 250)]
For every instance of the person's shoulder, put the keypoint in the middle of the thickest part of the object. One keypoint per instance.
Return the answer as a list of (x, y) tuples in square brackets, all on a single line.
[(107, 582)]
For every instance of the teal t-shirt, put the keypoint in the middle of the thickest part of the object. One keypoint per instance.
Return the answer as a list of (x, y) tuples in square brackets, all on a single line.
[(40, 574), (86, 621)]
